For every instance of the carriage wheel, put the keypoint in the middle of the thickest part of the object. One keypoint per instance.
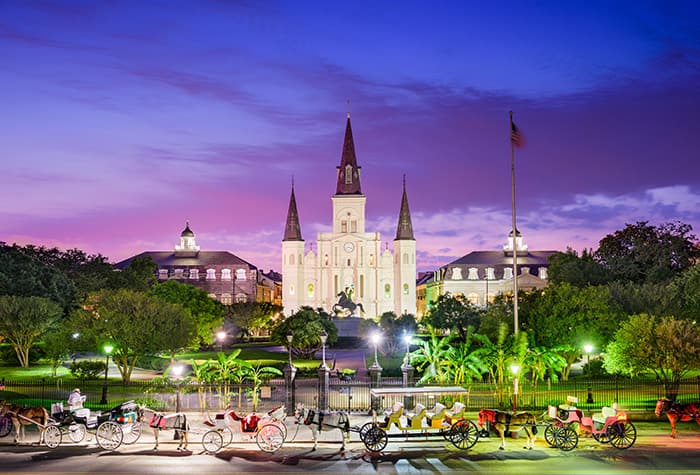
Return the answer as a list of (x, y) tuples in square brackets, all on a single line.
[(109, 435), (52, 436), (566, 438), (76, 432), (622, 434), (375, 439), (227, 436), (549, 433), (132, 432), (5, 425), (364, 429), (464, 434), (212, 441), (270, 438), (601, 437)]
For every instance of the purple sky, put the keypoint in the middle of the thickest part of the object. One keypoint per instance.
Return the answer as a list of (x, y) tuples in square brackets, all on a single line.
[(120, 120)]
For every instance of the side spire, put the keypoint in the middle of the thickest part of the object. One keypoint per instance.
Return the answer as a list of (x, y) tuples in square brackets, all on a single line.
[(348, 171), (292, 230), (404, 230)]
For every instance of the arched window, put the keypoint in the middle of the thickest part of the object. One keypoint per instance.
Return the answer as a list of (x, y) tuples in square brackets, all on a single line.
[(213, 296), (291, 259), (226, 299), (405, 258), (473, 298), (405, 289), (371, 259), (348, 174), (225, 274), (325, 259), (241, 298), (387, 290), (310, 290)]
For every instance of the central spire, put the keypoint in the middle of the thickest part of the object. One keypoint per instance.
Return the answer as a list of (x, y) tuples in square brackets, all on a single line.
[(292, 230), (348, 171), (404, 230)]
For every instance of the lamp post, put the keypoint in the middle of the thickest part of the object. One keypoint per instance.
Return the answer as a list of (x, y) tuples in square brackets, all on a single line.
[(108, 349), (407, 371), (177, 371), (407, 338), (375, 373), (290, 337), (220, 337), (289, 373), (515, 369), (588, 348), (324, 339), (376, 338)]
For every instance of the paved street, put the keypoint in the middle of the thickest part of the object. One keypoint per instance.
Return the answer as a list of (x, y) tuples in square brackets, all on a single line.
[(654, 452)]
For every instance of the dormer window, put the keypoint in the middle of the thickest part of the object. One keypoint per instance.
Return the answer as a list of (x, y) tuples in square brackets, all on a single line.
[(490, 273), (456, 273), (163, 274), (524, 270), (542, 273), (211, 274), (179, 273), (194, 273), (473, 273), (240, 274), (225, 274), (508, 273)]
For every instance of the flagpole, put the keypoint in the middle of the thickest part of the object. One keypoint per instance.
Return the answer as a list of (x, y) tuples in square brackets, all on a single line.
[(515, 233)]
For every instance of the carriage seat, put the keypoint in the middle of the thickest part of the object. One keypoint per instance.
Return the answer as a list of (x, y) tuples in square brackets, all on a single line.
[(393, 416), (436, 416), (249, 423), (415, 421), (601, 417), (456, 413)]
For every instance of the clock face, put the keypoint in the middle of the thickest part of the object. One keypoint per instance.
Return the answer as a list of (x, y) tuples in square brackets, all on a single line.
[(349, 247)]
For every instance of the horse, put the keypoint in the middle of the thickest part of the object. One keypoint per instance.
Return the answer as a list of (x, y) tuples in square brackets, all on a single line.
[(508, 422), (24, 416), (158, 422), (677, 412), (345, 303), (320, 421)]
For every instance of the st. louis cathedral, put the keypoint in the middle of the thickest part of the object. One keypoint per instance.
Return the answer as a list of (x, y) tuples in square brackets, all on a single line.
[(349, 273)]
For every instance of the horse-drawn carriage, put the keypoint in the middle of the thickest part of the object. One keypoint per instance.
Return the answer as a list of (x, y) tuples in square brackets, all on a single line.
[(423, 422), (267, 429), (608, 426)]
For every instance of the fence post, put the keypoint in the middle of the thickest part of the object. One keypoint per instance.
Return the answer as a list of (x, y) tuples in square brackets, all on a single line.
[(43, 384), (407, 382), (375, 380), (324, 375), (290, 372)]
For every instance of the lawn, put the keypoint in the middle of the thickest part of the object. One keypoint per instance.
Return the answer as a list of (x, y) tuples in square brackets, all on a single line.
[(37, 370)]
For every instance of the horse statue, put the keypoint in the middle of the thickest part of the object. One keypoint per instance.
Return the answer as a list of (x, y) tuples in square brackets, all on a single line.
[(510, 422), (158, 422), (345, 304), (323, 421), (24, 416), (677, 412)]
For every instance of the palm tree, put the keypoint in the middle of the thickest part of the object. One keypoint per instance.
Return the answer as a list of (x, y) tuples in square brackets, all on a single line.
[(431, 357), (258, 375), (463, 364), (541, 362), (500, 355), (226, 368)]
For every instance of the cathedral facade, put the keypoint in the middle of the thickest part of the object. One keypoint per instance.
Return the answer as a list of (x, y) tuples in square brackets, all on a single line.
[(349, 273)]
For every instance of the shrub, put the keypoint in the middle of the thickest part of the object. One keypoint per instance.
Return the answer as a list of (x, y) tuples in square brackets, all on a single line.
[(87, 369)]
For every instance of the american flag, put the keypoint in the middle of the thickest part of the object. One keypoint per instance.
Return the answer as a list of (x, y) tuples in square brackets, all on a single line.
[(516, 137)]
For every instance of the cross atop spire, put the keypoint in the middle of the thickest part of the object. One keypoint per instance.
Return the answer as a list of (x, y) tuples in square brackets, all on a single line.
[(348, 171), (404, 230)]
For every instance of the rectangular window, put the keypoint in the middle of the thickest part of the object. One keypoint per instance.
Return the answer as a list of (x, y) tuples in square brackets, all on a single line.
[(362, 285), (343, 226), (335, 284), (353, 226)]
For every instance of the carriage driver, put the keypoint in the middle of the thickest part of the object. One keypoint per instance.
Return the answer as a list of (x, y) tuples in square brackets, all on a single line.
[(75, 400)]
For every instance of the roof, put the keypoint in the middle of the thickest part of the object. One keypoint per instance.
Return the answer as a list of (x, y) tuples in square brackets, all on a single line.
[(499, 258), (203, 258), (187, 232)]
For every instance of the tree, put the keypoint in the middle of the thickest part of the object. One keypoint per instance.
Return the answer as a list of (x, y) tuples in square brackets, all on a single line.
[(24, 275), (463, 363), (666, 347), (24, 320), (257, 375), (393, 328), (455, 313), (578, 271), (207, 313), (430, 357), (644, 253), (57, 346), (251, 318), (134, 323), (139, 275), (306, 326), (684, 294)]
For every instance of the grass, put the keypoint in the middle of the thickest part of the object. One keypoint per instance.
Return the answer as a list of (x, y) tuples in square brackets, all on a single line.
[(36, 370)]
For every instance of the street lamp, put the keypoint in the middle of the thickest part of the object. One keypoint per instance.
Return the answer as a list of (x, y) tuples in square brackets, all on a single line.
[(376, 338), (177, 371), (290, 337), (407, 338), (108, 349), (515, 369), (324, 338), (220, 337), (588, 348)]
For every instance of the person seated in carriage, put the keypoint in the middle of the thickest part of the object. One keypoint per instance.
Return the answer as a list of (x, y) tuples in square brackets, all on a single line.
[(75, 400)]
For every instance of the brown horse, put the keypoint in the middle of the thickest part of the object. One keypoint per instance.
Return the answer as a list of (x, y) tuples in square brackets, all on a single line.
[(677, 412), (24, 416), (508, 422)]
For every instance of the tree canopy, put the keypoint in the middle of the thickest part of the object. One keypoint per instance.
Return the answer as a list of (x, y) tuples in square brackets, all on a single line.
[(665, 347), (577, 270), (645, 253), (305, 326), (455, 313)]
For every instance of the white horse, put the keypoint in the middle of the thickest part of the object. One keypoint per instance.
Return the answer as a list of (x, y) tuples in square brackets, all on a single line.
[(320, 421), (158, 422)]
